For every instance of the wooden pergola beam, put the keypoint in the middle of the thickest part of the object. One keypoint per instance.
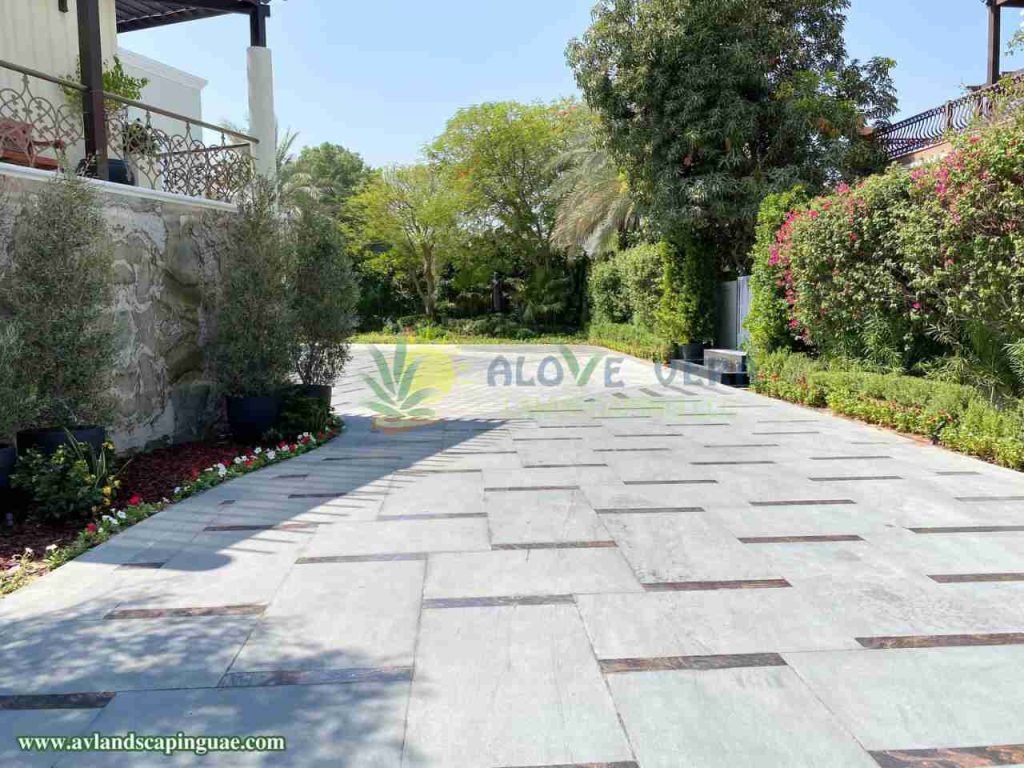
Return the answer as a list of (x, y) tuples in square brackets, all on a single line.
[(995, 35), (90, 55)]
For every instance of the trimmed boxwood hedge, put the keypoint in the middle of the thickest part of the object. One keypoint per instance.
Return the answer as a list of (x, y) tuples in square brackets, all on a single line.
[(954, 416)]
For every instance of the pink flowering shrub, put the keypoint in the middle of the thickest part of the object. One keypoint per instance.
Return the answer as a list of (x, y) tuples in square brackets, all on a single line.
[(920, 268)]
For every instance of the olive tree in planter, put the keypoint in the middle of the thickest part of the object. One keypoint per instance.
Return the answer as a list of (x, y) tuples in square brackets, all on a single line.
[(254, 335), (324, 295), (13, 398), (59, 287)]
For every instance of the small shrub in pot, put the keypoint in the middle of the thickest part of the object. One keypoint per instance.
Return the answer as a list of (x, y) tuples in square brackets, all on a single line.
[(324, 296), (254, 345)]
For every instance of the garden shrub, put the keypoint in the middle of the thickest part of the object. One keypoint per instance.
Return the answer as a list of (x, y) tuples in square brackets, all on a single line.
[(768, 320), (73, 484), (255, 337), (628, 338), (13, 393), (59, 287), (608, 298), (952, 415), (844, 273), (686, 311), (641, 268), (324, 296)]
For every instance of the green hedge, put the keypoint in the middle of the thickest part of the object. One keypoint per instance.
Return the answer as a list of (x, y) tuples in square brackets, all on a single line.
[(626, 287), (954, 416), (631, 340)]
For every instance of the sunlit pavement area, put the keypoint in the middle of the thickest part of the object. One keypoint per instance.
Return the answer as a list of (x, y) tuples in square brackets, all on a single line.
[(637, 571)]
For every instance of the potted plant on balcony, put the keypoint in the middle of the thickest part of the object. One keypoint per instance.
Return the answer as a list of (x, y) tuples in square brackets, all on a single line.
[(254, 340), (324, 294), (12, 399), (119, 83), (59, 286)]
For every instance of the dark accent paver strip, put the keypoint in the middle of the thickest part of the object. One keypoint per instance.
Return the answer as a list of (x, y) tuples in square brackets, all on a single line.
[(942, 641), (647, 510), (972, 578), (557, 545), (434, 516), (987, 499), (95, 700), (518, 488), (250, 609), (315, 677), (670, 482), (853, 478), (702, 586), (268, 527), (495, 602), (950, 757), (385, 558), (969, 529), (815, 539), (803, 503), (687, 663)]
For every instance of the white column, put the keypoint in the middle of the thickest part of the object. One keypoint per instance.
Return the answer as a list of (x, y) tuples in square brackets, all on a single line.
[(262, 121)]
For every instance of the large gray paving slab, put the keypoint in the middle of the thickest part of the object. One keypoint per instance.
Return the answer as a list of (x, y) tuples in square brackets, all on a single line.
[(529, 572), (508, 687), (339, 616), (433, 494), (712, 622), (685, 547), (543, 517), (325, 726), (724, 718), (400, 536), (921, 698), (130, 654), (52, 722)]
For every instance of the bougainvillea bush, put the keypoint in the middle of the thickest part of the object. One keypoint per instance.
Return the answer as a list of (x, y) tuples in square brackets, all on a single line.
[(910, 270)]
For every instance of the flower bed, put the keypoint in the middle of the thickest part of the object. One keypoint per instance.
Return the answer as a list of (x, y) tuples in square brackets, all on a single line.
[(32, 562)]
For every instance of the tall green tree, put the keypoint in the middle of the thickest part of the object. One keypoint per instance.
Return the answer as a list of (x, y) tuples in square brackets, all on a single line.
[(331, 173), (408, 216), (505, 153), (711, 104)]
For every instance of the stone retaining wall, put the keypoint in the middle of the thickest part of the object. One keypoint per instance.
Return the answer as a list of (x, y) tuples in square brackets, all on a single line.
[(167, 263)]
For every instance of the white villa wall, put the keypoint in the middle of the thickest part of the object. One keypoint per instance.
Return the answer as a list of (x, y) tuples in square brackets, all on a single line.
[(169, 88), (37, 34)]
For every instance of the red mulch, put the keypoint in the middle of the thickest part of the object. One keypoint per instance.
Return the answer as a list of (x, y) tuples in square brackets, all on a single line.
[(154, 476), (13, 541)]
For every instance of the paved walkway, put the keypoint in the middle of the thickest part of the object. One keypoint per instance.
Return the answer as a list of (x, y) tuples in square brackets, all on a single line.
[(638, 575)]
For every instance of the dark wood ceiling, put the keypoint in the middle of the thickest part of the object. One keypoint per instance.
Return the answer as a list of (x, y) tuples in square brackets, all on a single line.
[(134, 15)]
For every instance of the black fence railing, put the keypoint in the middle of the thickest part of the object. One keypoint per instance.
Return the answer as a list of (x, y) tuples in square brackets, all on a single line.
[(933, 127), (42, 126)]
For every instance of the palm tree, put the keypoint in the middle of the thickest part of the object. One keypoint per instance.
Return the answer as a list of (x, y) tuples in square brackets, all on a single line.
[(595, 202)]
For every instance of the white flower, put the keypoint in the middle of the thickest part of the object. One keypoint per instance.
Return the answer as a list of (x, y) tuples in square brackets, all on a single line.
[(177, 490), (271, 455), (165, 501), (258, 451), (29, 552), (51, 548), (121, 515), (238, 460)]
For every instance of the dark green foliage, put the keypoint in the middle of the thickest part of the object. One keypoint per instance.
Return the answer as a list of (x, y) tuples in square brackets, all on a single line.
[(74, 484), (59, 287), (712, 104), (626, 287), (324, 296), (301, 414), (255, 333), (630, 339), (609, 301), (769, 312), (687, 309)]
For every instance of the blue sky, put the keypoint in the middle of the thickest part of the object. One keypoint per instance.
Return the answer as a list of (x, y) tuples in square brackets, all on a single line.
[(382, 77)]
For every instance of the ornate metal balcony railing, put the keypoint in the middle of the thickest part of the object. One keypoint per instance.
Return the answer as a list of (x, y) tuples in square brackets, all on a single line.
[(933, 127), (41, 126)]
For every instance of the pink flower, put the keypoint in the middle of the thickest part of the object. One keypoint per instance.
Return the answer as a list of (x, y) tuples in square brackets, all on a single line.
[(135, 500), (90, 528), (950, 263), (916, 305)]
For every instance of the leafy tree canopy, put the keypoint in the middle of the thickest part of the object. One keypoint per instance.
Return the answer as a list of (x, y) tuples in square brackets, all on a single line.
[(330, 173), (711, 104), (506, 154), (408, 216)]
